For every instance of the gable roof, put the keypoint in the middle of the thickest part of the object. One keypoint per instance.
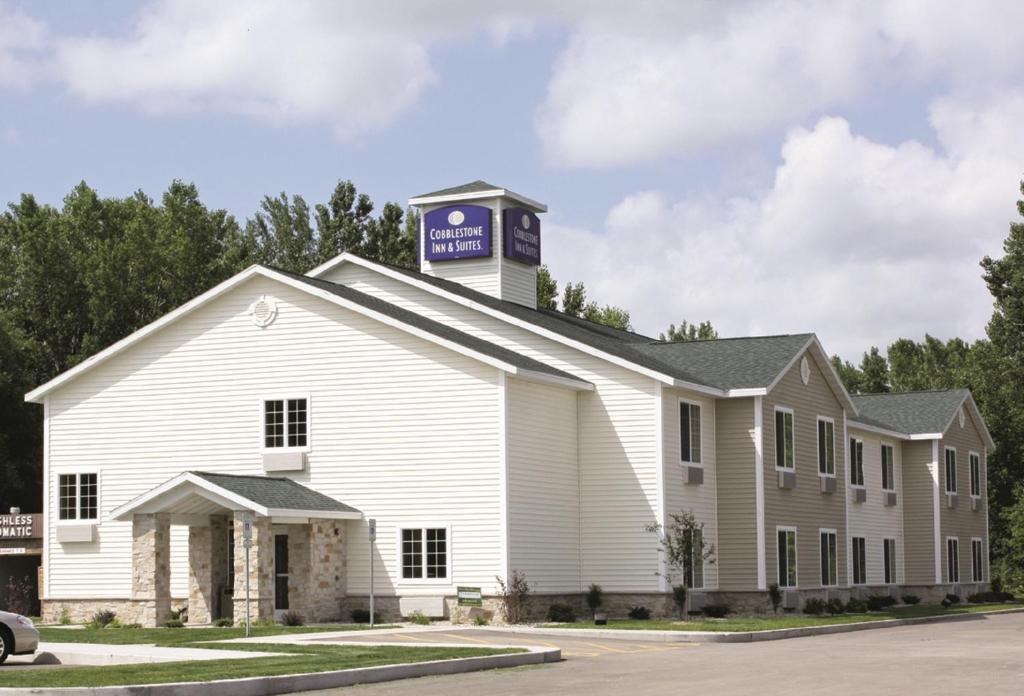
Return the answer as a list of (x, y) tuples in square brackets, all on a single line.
[(269, 496), (920, 414), (723, 367), (431, 330)]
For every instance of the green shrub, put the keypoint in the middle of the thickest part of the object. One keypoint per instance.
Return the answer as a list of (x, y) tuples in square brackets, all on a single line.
[(856, 606), (480, 620), (101, 619), (880, 602), (561, 613), (910, 599), (514, 596), (990, 596), (775, 595), (291, 618), (639, 613), (363, 616), (595, 596), (65, 617), (953, 598), (174, 623), (419, 618), (716, 611), (264, 622), (815, 606), (679, 599), (835, 606), (222, 623)]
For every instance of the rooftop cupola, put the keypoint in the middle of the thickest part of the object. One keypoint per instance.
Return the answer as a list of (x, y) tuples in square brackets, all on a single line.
[(484, 237)]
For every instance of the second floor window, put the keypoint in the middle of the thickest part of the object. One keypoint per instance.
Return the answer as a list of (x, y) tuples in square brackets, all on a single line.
[(975, 475), (285, 423), (888, 481), (856, 462), (79, 496), (950, 470), (689, 432), (826, 447), (784, 457)]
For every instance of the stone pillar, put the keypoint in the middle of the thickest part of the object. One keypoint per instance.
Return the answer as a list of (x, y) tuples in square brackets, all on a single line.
[(298, 570), (326, 585), (151, 568), (221, 576), (261, 570), (201, 596)]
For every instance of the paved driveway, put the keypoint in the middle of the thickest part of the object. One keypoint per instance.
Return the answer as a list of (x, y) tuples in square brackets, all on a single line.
[(984, 657)]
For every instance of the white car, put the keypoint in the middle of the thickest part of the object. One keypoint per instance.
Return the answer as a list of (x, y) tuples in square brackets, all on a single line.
[(17, 635)]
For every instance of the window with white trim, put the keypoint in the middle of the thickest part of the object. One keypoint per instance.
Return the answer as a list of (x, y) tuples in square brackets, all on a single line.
[(689, 432), (826, 446), (952, 559), (950, 470), (285, 423), (856, 462), (786, 551), (78, 496), (975, 474), (829, 558), (425, 553), (889, 560), (693, 567), (888, 478), (860, 560), (785, 457), (977, 561)]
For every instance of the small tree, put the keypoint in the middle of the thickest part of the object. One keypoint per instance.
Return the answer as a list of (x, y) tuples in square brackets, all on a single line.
[(595, 596), (682, 542), (775, 595), (513, 596)]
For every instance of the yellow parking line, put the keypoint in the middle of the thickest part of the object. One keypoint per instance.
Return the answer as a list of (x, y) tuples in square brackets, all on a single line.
[(528, 641), (580, 654), (471, 640), (408, 637), (607, 647)]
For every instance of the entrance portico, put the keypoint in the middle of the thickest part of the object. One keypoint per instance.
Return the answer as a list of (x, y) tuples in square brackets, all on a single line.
[(296, 559)]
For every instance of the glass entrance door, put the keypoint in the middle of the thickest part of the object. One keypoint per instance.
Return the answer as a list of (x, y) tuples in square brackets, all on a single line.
[(280, 573)]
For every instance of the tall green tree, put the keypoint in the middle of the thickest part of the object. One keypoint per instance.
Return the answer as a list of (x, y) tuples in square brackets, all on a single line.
[(547, 289), (703, 331), (574, 299), (874, 372)]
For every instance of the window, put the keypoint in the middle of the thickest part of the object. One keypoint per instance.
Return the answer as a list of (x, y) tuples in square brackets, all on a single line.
[(693, 567), (977, 561), (860, 561), (425, 553), (952, 559), (950, 470), (889, 560), (829, 558), (856, 462), (787, 557), (888, 480), (826, 447), (285, 423), (784, 457), (79, 496), (975, 474), (689, 432)]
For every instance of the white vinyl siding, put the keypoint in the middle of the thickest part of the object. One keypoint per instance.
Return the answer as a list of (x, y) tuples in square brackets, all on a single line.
[(873, 519), (543, 486), (392, 416), (617, 434)]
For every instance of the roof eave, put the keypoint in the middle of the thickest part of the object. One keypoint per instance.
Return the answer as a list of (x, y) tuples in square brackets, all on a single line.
[(878, 430), (533, 205)]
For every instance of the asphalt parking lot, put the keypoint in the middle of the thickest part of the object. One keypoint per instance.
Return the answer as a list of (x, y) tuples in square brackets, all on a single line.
[(984, 656)]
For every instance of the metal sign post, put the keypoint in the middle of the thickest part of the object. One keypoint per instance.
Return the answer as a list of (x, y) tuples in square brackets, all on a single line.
[(247, 544), (373, 538)]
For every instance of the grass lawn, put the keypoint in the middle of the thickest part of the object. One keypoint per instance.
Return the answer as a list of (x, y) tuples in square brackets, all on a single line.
[(300, 658), (769, 623)]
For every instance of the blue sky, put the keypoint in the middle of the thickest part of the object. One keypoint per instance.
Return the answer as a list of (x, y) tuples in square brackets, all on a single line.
[(772, 167)]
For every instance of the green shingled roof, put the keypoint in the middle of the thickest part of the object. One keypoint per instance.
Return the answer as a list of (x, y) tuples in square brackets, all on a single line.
[(731, 363), (472, 187), (910, 412), (275, 493), (434, 327)]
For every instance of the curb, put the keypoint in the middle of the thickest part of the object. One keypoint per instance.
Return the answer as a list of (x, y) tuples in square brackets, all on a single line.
[(284, 684), (747, 636)]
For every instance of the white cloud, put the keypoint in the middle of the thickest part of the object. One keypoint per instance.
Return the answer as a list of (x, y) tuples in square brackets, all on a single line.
[(858, 241), (22, 42), (636, 88)]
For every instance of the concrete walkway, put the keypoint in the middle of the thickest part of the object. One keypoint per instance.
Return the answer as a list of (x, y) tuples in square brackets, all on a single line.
[(102, 654)]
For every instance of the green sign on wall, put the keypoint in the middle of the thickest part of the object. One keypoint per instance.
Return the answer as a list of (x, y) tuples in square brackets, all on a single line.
[(470, 597)]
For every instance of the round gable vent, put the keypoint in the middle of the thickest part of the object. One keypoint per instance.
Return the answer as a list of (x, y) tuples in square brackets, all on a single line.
[(263, 311), (962, 416), (805, 370)]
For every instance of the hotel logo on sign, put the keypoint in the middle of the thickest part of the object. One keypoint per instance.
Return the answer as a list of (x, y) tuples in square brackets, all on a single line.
[(521, 232), (457, 232)]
